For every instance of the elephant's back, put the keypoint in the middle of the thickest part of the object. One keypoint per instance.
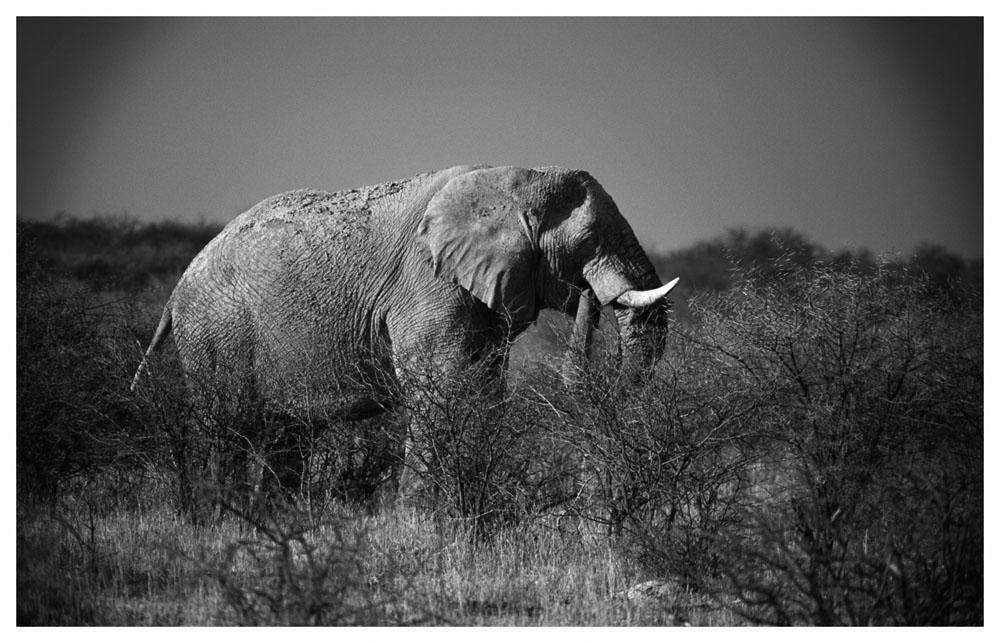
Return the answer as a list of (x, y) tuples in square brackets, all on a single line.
[(273, 227), (344, 208)]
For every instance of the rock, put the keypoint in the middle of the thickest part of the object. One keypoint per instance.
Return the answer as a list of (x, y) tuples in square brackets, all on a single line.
[(651, 591)]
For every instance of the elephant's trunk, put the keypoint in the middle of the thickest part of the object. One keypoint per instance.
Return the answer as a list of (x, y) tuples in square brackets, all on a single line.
[(642, 335), (641, 316), (588, 317), (642, 326)]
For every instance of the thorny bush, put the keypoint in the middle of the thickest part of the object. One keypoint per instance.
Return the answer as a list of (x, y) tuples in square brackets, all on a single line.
[(866, 393), (812, 447)]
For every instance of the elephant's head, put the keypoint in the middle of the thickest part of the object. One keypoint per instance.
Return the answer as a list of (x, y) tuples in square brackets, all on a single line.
[(523, 240)]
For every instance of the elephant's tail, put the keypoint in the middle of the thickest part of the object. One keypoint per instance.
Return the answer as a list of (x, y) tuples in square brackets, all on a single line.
[(166, 321)]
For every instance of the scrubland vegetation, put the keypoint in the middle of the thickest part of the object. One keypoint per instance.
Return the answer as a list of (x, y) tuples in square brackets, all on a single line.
[(808, 451)]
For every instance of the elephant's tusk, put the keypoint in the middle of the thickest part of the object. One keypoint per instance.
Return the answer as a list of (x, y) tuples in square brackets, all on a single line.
[(643, 298)]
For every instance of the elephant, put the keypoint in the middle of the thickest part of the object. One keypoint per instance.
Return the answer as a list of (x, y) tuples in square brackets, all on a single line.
[(308, 298)]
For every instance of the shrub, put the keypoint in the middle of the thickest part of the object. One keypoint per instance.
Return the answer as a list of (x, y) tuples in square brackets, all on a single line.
[(813, 447), (117, 252), (292, 571), (72, 420), (867, 391), (663, 465), (478, 452)]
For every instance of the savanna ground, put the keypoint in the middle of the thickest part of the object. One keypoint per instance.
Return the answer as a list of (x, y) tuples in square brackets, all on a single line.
[(808, 451)]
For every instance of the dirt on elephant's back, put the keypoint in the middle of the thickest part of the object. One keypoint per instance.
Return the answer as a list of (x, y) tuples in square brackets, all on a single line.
[(296, 206)]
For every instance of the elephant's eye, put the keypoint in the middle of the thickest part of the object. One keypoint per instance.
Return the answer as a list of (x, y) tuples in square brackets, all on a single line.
[(589, 243)]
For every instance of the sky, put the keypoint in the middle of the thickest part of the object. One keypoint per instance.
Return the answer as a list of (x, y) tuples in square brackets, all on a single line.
[(856, 132)]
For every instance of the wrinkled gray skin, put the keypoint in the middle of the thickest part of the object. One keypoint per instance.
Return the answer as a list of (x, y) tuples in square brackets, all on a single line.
[(298, 295)]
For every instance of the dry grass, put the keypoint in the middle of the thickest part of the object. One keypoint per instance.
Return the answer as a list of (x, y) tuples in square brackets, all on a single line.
[(148, 567)]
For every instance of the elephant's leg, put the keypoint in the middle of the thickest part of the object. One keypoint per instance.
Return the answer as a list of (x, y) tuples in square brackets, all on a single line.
[(444, 369), (425, 370), (255, 456), (218, 448), (419, 462), (227, 412), (283, 458)]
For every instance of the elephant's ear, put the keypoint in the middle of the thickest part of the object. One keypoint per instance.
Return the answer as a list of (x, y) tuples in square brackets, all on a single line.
[(483, 236)]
